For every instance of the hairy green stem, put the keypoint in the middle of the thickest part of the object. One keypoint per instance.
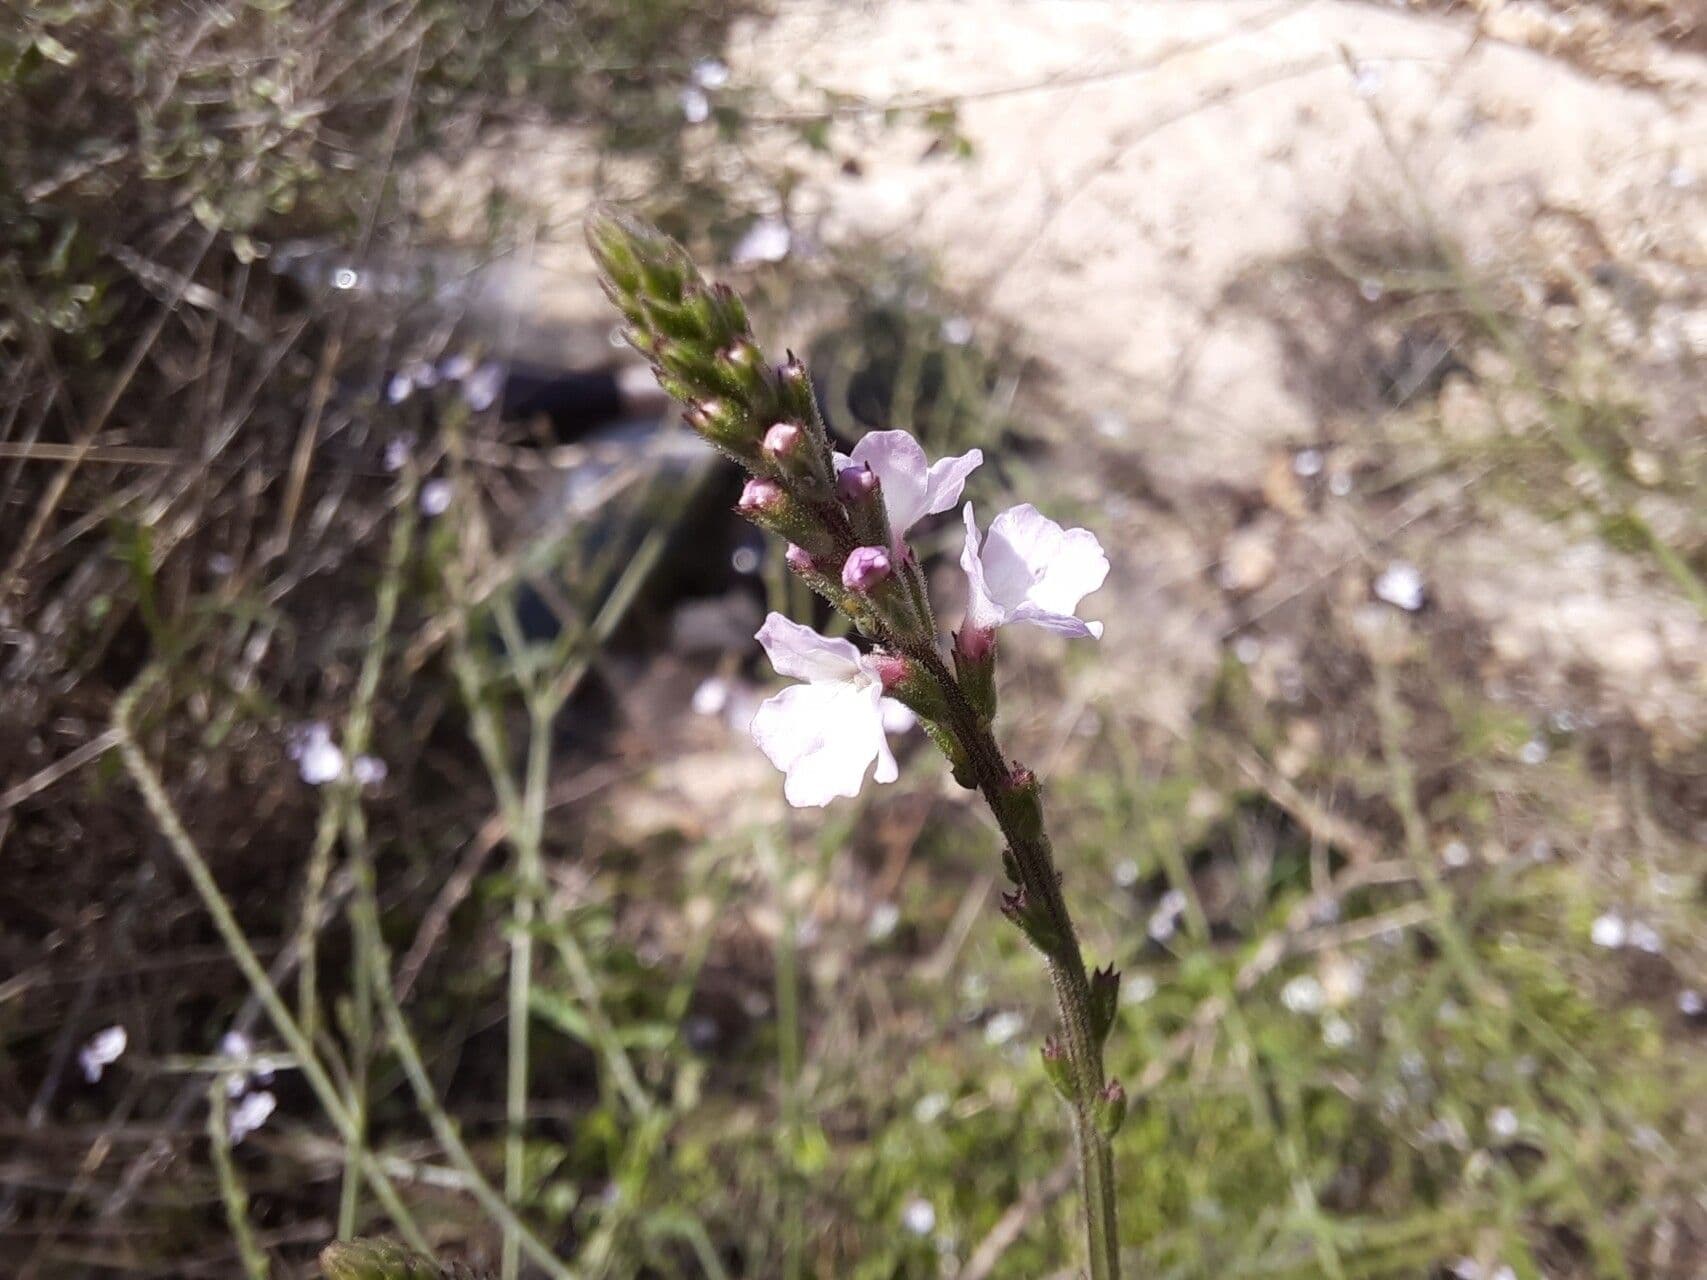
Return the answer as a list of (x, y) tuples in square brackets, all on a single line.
[(1035, 863)]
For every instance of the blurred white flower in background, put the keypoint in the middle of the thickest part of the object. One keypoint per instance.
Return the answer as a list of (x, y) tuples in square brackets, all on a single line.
[(435, 497), (710, 73), (318, 759), (1401, 585), (250, 1114), (102, 1050), (918, 1215), (767, 240)]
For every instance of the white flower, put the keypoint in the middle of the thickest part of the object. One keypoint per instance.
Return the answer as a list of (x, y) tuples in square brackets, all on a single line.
[(435, 497), (250, 1114), (898, 717), (1401, 585), (1609, 931), (696, 107), (104, 1049), (235, 1044), (767, 240), (918, 1215), (710, 73), (370, 771), (317, 757), (824, 733), (913, 487), (1030, 569)]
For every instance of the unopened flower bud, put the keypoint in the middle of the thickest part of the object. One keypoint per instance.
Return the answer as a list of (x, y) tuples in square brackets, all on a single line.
[(1059, 1068), (856, 484), (1110, 1108), (892, 669), (974, 643), (760, 496), (975, 665), (783, 441), (914, 688), (865, 567), (800, 559), (1021, 801), (719, 421), (795, 385)]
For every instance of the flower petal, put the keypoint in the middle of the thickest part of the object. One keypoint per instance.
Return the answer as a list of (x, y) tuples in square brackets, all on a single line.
[(1016, 550), (899, 463), (1075, 568), (947, 477), (802, 654), (824, 737), (1062, 624), (981, 610)]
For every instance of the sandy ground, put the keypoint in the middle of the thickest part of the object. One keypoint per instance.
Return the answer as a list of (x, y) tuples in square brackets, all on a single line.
[(1139, 171)]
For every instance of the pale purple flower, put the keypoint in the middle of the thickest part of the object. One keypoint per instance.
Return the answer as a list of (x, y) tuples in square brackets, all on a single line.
[(457, 367), (435, 497), (422, 374), (398, 451), (236, 1044), (825, 732), (1029, 569), (913, 487), (370, 771), (482, 388)]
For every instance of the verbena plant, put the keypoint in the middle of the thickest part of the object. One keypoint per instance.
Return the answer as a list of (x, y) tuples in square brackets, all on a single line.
[(846, 519)]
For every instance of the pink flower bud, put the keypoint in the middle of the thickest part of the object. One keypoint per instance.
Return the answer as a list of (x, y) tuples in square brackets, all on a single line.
[(1021, 779), (800, 559), (891, 668), (855, 484), (701, 415), (783, 440), (865, 568), (760, 496), (975, 644)]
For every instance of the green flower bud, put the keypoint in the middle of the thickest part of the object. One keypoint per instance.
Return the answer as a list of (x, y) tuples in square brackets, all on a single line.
[(1059, 1069), (1109, 1108)]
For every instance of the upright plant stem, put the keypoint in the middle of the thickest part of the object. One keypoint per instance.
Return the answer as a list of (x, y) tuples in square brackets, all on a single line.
[(1035, 863), (529, 877)]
